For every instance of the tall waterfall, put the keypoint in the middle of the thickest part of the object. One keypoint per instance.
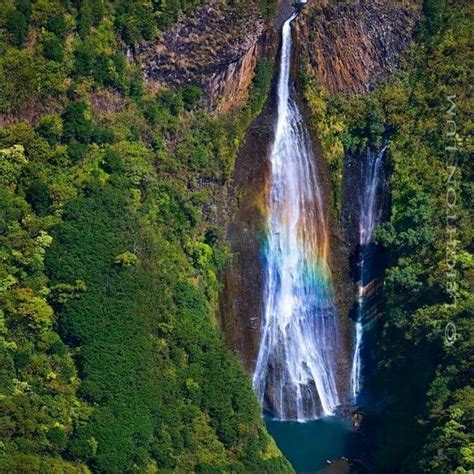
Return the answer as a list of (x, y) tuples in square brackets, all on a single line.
[(295, 375), (369, 217)]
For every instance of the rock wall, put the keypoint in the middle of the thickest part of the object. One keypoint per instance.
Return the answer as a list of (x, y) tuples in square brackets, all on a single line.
[(351, 45), (240, 302), (217, 49)]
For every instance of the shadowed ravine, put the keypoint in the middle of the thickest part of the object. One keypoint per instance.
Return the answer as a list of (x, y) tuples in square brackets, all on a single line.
[(295, 374), (370, 212)]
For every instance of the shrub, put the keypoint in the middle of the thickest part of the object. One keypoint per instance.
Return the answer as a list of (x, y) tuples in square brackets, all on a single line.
[(53, 48), (16, 25), (38, 197), (135, 21), (76, 151), (170, 101), (84, 57), (112, 162), (24, 6), (102, 135), (50, 128), (191, 96), (57, 24), (76, 125), (136, 86)]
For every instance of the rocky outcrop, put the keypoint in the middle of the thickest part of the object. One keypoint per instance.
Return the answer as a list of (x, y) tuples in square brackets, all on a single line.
[(352, 45), (217, 49)]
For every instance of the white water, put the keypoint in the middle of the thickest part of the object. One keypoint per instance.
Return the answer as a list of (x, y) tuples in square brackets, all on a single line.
[(369, 218), (295, 372)]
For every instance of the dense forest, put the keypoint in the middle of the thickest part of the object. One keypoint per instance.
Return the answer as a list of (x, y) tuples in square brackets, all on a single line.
[(424, 353), (111, 357), (110, 250)]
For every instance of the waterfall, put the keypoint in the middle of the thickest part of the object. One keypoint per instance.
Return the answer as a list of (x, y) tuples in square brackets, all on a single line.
[(369, 217), (295, 374)]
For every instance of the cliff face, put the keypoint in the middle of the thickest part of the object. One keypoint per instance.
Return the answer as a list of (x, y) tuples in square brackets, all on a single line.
[(352, 45), (216, 49), (240, 302)]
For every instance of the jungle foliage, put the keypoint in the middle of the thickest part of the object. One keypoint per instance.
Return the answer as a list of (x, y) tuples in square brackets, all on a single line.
[(111, 359), (425, 374)]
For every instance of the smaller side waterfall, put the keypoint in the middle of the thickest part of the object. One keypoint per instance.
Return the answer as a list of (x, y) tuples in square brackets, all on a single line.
[(370, 211)]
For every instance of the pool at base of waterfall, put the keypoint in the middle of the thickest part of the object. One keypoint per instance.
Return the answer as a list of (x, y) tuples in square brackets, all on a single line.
[(308, 446)]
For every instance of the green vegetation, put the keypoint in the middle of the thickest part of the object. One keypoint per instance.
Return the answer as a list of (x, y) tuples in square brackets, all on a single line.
[(425, 374), (111, 361)]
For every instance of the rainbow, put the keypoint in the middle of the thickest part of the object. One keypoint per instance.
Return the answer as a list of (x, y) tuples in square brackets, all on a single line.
[(295, 370)]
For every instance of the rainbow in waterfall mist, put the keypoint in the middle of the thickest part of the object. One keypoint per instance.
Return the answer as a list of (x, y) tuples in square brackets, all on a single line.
[(295, 374)]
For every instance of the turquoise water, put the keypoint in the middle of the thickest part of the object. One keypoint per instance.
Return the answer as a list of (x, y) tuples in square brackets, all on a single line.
[(308, 445)]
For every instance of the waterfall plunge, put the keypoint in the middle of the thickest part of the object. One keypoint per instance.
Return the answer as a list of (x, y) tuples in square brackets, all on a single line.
[(295, 374)]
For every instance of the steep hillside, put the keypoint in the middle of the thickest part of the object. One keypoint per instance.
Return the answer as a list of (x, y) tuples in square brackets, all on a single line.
[(349, 48), (217, 48), (422, 421), (111, 360)]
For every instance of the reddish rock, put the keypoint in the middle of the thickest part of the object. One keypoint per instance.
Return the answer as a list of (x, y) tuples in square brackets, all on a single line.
[(352, 45), (217, 48)]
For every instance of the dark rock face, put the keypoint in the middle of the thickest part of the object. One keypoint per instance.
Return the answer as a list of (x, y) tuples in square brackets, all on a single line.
[(355, 167), (352, 45), (241, 301), (367, 259)]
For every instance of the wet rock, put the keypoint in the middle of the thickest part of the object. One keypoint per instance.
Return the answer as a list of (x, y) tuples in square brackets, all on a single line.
[(337, 466)]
